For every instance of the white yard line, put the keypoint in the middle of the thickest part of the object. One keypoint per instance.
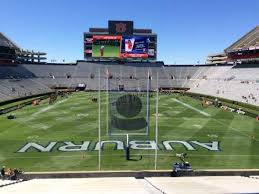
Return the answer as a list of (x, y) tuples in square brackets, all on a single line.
[(208, 115), (48, 108), (191, 107)]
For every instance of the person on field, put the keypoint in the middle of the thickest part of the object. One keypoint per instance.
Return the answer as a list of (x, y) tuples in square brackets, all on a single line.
[(3, 172), (14, 173), (102, 50)]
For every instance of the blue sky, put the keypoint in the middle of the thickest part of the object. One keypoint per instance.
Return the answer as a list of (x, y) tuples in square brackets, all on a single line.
[(188, 30)]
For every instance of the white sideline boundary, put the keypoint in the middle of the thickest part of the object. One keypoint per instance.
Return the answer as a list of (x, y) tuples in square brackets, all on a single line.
[(191, 107)]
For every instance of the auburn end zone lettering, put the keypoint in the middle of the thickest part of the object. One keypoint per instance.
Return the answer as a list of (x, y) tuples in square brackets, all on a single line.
[(69, 146)]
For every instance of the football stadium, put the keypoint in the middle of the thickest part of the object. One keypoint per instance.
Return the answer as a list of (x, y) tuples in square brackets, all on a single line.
[(120, 112)]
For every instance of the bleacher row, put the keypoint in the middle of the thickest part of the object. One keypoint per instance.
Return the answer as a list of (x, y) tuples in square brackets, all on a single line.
[(249, 40), (241, 84)]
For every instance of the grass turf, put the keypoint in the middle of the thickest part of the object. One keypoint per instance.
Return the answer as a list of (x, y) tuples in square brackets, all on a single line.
[(109, 51), (76, 119)]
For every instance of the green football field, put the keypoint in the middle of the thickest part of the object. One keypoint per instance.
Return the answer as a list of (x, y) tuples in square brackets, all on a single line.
[(182, 120), (109, 51)]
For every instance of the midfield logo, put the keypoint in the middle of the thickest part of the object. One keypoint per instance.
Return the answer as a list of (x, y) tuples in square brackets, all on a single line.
[(70, 146)]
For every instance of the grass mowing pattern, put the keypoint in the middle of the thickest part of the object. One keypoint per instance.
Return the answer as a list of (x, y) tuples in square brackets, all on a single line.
[(76, 119)]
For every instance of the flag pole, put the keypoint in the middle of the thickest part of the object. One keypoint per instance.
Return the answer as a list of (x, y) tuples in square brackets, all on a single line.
[(99, 121), (127, 135), (156, 129), (148, 87)]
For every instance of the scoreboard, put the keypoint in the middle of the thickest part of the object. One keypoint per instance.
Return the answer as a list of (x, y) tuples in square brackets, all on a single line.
[(120, 41)]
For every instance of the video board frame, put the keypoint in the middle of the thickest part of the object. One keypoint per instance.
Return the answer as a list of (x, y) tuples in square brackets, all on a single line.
[(143, 43)]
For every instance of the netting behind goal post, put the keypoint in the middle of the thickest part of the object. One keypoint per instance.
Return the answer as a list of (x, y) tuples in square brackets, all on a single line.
[(128, 107)]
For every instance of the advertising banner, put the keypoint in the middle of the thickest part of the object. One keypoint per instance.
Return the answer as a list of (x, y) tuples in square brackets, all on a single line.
[(134, 47)]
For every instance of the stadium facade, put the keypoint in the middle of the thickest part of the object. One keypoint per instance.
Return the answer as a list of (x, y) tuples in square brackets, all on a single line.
[(245, 50), (12, 53), (126, 71), (202, 105), (217, 58)]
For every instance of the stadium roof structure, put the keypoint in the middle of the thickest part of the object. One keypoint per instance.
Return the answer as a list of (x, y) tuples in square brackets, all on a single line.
[(7, 42), (11, 52), (249, 41)]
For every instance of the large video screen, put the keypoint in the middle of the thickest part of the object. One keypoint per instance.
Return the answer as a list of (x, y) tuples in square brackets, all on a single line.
[(119, 47), (106, 46), (134, 47)]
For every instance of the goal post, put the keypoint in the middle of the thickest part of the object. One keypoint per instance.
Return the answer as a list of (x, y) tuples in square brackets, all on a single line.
[(128, 109)]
